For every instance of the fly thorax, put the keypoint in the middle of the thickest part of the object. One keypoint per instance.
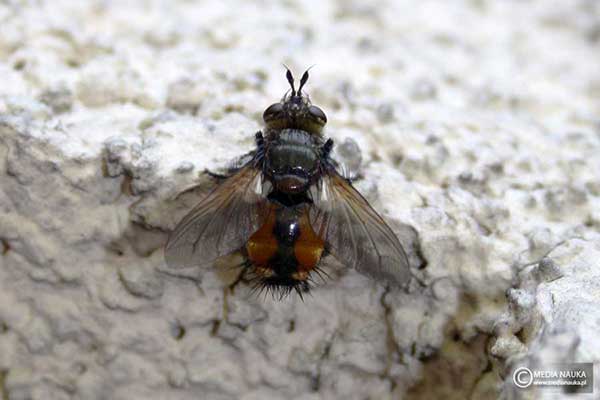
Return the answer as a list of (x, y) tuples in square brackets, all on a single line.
[(292, 160)]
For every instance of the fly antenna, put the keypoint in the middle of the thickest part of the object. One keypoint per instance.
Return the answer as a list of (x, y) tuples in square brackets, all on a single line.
[(290, 79), (304, 79)]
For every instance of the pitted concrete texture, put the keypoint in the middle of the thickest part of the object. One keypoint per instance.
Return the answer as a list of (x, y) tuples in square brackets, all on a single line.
[(473, 127)]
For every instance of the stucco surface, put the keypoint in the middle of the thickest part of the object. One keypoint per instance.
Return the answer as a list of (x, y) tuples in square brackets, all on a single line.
[(473, 126)]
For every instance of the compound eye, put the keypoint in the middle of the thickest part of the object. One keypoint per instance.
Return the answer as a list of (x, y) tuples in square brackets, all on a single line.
[(318, 114), (272, 112)]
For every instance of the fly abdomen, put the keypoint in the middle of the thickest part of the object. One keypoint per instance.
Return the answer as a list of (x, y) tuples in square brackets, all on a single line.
[(285, 249)]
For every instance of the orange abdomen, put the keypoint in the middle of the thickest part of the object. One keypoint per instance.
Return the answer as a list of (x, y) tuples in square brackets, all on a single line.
[(262, 245), (309, 247), (286, 247)]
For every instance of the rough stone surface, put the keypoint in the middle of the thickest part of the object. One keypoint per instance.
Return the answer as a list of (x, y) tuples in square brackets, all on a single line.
[(473, 128)]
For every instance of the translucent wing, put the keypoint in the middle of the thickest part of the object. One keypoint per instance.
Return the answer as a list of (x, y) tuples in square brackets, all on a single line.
[(357, 236), (220, 224)]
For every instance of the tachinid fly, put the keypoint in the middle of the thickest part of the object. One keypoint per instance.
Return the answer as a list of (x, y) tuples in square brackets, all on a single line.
[(288, 207)]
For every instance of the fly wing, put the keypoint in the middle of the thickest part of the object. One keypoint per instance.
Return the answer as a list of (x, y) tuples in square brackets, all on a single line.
[(220, 224), (356, 235)]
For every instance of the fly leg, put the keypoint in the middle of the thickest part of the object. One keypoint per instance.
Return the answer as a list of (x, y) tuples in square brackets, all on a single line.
[(252, 156), (228, 173), (238, 279), (217, 177), (340, 168), (350, 177), (243, 274)]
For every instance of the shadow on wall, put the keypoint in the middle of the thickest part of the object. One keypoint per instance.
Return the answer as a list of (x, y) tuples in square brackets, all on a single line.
[(462, 368)]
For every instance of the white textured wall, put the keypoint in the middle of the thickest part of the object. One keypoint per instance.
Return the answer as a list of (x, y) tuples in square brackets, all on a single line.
[(478, 125)]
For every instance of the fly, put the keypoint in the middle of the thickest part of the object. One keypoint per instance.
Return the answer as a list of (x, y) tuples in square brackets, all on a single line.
[(288, 207)]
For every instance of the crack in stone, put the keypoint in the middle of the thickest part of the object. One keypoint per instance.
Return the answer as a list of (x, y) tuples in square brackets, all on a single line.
[(3, 389), (5, 248), (316, 378), (393, 349)]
